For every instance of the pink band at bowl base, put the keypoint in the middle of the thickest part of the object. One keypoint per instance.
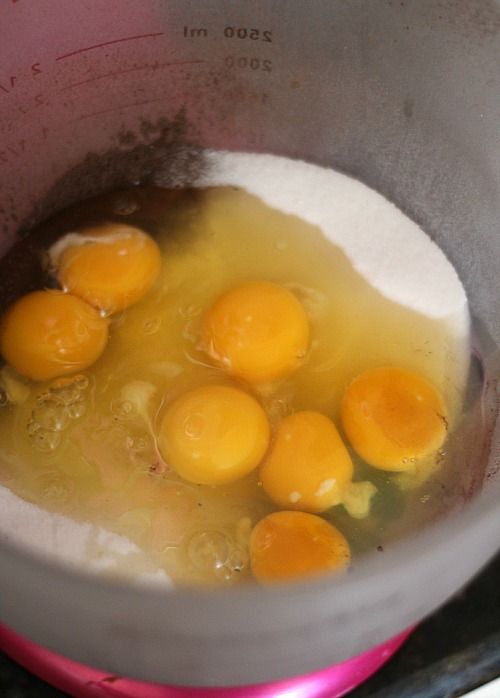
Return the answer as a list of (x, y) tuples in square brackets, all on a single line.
[(80, 681)]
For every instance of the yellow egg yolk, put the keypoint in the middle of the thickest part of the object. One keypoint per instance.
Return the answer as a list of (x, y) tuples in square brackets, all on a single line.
[(47, 334), (292, 544), (392, 417), (307, 465), (110, 266), (214, 434), (258, 331)]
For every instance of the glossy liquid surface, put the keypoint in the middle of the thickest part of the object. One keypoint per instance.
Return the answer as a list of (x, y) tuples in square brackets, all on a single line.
[(86, 446)]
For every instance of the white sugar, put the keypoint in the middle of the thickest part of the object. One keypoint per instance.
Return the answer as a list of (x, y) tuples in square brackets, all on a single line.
[(74, 543), (383, 244)]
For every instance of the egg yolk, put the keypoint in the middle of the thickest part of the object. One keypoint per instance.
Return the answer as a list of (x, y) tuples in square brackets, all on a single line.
[(258, 331), (47, 334), (110, 266), (214, 434), (292, 544), (393, 417), (307, 465)]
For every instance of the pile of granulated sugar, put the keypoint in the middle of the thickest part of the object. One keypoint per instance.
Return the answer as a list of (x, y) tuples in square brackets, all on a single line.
[(383, 245), (82, 545)]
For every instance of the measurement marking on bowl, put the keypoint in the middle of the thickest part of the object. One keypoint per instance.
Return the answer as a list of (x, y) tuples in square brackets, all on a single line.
[(148, 66), (244, 62), (108, 43), (195, 32), (14, 79)]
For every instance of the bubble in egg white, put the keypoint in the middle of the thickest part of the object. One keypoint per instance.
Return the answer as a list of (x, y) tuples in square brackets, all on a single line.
[(54, 409), (51, 415), (81, 381), (44, 440), (238, 559), (122, 409), (208, 550), (76, 409), (236, 563)]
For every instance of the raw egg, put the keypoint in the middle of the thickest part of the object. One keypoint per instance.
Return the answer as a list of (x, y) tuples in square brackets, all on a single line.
[(47, 334), (214, 434), (392, 417), (254, 317), (258, 331), (291, 544), (308, 465), (111, 266)]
